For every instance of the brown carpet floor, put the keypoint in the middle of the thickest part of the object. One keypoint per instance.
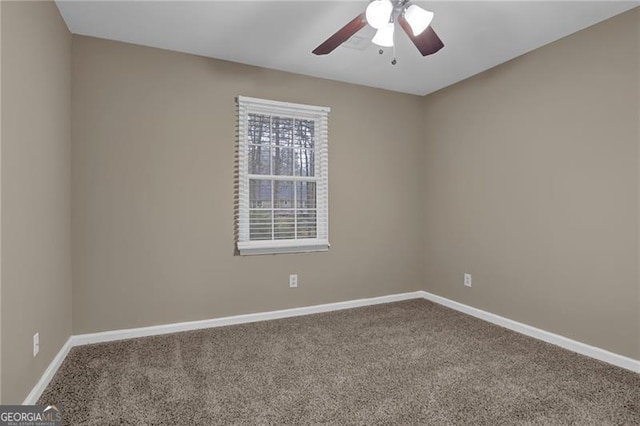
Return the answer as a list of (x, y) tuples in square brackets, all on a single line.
[(402, 363)]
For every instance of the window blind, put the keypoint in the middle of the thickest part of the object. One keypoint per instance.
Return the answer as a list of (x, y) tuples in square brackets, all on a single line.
[(281, 177)]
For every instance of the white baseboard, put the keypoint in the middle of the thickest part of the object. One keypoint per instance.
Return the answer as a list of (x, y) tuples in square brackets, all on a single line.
[(110, 336), (556, 339), (48, 374)]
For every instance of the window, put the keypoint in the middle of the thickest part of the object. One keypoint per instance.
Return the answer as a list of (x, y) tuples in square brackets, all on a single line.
[(282, 181)]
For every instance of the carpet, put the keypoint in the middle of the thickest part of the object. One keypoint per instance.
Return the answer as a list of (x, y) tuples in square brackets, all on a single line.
[(404, 363)]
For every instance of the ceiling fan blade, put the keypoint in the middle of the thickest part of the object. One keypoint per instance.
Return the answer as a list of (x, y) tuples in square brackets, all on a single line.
[(341, 36), (427, 42)]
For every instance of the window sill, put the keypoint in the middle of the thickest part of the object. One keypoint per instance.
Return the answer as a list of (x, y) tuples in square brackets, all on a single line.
[(278, 247)]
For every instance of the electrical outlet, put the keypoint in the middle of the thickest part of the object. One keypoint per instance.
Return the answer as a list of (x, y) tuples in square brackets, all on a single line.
[(467, 280), (36, 344), (293, 280)]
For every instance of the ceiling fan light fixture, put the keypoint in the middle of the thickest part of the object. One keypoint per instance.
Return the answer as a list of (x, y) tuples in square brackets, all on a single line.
[(418, 19), (384, 36), (378, 13)]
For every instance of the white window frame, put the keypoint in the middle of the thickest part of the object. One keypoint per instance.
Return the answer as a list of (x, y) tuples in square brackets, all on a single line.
[(320, 116)]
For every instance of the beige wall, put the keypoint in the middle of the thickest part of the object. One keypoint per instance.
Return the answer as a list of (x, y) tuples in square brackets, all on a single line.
[(637, 38), (531, 185), (0, 203), (36, 270), (152, 183), (638, 136)]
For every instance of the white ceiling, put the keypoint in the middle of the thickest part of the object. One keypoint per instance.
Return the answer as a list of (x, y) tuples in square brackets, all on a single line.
[(478, 35)]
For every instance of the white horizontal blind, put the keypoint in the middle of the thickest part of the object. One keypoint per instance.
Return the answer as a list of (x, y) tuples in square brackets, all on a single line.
[(282, 177)]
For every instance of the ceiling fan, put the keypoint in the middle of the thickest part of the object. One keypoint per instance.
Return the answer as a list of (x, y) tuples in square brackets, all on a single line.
[(383, 15)]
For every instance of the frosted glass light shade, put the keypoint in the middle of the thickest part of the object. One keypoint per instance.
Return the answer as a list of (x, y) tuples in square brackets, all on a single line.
[(378, 13), (418, 19), (384, 36)]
